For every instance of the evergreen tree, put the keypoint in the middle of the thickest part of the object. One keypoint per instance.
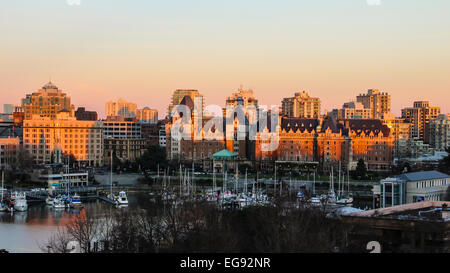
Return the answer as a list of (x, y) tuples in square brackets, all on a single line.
[(361, 171)]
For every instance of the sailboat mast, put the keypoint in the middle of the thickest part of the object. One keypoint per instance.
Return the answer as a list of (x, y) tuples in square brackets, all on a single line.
[(245, 181), (111, 173), (3, 180), (339, 186), (314, 182), (275, 181)]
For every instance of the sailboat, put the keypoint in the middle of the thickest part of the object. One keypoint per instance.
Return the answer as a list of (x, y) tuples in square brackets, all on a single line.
[(2, 204), (330, 198), (345, 199)]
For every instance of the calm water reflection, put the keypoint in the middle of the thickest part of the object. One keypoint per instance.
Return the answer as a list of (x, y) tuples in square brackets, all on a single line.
[(25, 231)]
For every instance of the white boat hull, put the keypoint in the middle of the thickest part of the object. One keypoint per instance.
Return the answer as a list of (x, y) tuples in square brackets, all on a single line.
[(21, 207)]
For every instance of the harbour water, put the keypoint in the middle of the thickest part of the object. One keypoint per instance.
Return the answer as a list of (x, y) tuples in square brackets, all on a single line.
[(25, 232)]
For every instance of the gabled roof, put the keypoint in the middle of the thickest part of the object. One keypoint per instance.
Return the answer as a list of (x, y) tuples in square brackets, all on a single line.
[(299, 124), (365, 125), (330, 123), (426, 175)]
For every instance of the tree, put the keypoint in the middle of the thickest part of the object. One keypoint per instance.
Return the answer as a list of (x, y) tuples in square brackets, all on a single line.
[(20, 160), (152, 157), (361, 171)]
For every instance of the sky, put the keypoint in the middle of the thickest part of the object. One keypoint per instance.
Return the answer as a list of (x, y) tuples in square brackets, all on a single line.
[(142, 50)]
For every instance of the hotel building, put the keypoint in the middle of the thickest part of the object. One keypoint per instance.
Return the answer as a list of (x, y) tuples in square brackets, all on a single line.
[(49, 140)]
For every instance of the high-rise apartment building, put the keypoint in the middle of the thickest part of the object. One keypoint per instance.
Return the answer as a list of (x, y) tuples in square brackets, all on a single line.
[(439, 132), (379, 102), (242, 97), (179, 94), (400, 131), (47, 102), (11, 108), (147, 115), (50, 140), (121, 108), (419, 116), (352, 110), (301, 106)]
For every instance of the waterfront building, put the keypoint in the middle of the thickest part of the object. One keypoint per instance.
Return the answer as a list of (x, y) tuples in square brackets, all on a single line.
[(301, 106), (8, 150), (125, 149), (121, 108), (412, 187), (82, 114), (121, 127), (49, 140), (62, 179), (329, 141), (190, 145), (419, 116), (47, 102), (150, 132)]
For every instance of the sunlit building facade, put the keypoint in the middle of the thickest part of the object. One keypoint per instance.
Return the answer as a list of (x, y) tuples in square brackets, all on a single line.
[(47, 102), (301, 106), (51, 140)]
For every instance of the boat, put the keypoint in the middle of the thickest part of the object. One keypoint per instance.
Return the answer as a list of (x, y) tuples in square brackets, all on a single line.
[(344, 200), (58, 203), (75, 201), (49, 200), (20, 202), (122, 199)]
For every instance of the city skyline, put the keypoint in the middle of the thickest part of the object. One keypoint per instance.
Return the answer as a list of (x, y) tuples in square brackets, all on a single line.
[(164, 111), (142, 53)]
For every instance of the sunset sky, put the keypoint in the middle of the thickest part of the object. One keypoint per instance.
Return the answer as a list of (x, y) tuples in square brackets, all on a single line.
[(142, 50)]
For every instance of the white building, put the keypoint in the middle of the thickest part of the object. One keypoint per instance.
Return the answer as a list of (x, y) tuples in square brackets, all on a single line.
[(61, 180), (412, 187)]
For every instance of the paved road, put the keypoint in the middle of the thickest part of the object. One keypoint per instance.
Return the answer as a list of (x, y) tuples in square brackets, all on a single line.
[(122, 179)]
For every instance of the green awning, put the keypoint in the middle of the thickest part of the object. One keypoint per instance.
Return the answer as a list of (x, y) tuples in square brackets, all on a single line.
[(225, 155)]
